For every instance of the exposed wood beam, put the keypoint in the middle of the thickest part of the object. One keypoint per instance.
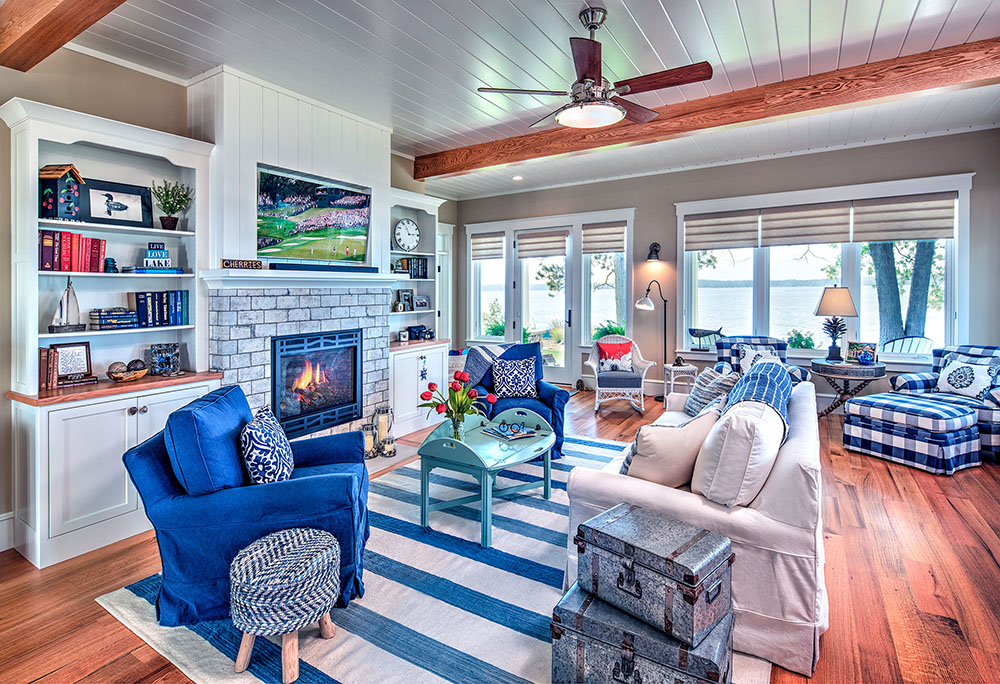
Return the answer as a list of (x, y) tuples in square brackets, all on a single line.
[(31, 30), (961, 66)]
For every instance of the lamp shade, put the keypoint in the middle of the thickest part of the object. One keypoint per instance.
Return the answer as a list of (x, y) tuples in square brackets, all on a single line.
[(645, 304), (836, 301), (654, 252)]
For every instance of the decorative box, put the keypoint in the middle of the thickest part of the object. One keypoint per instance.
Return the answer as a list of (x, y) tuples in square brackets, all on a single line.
[(670, 574), (164, 359), (592, 641)]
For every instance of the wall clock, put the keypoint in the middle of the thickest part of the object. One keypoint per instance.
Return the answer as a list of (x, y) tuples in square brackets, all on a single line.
[(406, 234)]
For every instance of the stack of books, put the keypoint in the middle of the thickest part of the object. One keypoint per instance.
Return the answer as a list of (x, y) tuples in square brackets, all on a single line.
[(415, 267), (48, 372), (508, 433), (155, 309), (114, 318), (65, 251)]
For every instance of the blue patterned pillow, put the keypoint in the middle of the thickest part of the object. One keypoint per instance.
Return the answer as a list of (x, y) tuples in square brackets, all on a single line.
[(514, 378), (266, 451)]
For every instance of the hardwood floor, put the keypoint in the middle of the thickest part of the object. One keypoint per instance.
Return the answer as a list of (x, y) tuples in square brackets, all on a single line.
[(911, 569)]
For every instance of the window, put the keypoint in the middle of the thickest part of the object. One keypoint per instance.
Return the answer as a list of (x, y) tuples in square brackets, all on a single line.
[(762, 271), (605, 300), (489, 286)]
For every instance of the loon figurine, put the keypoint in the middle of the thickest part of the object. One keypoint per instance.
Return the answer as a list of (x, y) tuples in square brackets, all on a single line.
[(113, 206)]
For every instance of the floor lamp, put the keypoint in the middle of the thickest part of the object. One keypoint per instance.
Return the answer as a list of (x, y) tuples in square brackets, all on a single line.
[(646, 304)]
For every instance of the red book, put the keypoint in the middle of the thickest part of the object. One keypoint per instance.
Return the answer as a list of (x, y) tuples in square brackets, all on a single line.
[(66, 256), (100, 257), (85, 254), (53, 369), (56, 251), (43, 368), (47, 247), (95, 254), (75, 253)]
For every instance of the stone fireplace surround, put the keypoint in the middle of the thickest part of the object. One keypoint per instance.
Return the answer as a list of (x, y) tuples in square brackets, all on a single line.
[(242, 322)]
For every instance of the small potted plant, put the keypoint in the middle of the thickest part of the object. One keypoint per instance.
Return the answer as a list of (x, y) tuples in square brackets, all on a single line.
[(460, 402), (172, 199)]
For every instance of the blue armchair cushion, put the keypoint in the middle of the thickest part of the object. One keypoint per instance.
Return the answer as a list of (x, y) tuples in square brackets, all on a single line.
[(266, 451), (618, 379), (914, 383), (203, 441), (535, 405), (515, 378)]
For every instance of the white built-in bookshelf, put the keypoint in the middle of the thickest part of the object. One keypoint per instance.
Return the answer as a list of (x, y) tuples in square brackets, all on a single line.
[(423, 210)]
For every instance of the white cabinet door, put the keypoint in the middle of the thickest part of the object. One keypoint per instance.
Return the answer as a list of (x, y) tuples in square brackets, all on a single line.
[(406, 389), (87, 479), (155, 408)]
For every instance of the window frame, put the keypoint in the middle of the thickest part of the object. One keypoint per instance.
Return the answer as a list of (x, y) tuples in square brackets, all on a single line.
[(957, 256)]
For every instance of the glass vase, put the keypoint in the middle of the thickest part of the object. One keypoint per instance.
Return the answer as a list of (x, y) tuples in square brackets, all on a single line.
[(458, 428)]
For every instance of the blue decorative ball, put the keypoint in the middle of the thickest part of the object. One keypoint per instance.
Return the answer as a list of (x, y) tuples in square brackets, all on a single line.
[(866, 357)]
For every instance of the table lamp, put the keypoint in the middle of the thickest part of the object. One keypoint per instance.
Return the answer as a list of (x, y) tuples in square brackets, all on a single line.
[(835, 303)]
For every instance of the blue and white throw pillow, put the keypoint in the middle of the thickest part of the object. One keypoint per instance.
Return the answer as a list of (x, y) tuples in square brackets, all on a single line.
[(967, 379), (514, 378), (751, 355), (266, 451)]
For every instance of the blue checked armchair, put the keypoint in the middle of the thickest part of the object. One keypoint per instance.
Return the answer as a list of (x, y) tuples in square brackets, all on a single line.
[(988, 409), (727, 354)]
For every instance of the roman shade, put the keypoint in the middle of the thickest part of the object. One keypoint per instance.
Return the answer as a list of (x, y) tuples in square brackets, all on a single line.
[(545, 243), (486, 246), (911, 217), (804, 224), (601, 238), (721, 230)]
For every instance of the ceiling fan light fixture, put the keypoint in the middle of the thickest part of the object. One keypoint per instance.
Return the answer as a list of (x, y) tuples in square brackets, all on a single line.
[(590, 114)]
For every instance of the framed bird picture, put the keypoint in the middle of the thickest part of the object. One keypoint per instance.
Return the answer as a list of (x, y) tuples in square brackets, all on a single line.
[(116, 203)]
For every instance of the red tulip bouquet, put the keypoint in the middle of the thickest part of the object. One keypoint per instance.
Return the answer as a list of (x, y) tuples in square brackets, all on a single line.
[(460, 402)]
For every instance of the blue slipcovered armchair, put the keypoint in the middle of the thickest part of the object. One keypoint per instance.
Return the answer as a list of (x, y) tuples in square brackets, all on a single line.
[(550, 403), (200, 501)]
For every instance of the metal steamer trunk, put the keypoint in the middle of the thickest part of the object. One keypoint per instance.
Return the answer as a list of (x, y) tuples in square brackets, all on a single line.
[(593, 641), (669, 574)]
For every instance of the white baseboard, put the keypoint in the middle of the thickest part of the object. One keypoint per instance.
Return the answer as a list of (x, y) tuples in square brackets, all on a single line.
[(7, 531)]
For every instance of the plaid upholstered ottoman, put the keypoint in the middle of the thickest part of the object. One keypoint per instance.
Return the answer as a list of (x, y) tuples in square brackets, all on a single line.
[(912, 430)]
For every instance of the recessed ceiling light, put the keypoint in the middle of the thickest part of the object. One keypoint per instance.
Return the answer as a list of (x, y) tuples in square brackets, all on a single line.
[(517, 178)]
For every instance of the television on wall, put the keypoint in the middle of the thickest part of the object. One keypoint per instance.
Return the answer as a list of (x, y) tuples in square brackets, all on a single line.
[(306, 217)]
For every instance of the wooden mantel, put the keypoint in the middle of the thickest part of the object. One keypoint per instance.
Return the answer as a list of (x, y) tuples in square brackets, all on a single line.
[(961, 66)]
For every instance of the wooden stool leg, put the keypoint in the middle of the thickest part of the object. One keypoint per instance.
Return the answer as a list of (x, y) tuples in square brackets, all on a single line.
[(289, 657), (246, 650), (326, 628)]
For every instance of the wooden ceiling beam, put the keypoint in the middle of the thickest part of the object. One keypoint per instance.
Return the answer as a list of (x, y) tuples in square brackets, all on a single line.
[(961, 66), (31, 30)]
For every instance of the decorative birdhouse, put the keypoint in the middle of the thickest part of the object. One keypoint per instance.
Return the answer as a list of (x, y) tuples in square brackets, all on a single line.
[(59, 192)]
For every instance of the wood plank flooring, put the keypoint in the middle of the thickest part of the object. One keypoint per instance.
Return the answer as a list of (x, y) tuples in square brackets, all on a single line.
[(911, 568)]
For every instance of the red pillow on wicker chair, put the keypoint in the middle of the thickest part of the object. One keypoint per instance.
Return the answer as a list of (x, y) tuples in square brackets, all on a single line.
[(615, 356)]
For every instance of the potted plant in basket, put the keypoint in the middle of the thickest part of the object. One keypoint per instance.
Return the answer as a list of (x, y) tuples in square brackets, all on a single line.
[(172, 199), (459, 402)]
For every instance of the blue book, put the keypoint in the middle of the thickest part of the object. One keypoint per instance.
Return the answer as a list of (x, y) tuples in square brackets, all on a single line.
[(184, 308), (138, 302), (171, 297)]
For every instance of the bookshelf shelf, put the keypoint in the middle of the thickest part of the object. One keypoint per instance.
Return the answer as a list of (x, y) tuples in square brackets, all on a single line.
[(110, 228), (120, 331), (86, 274), (411, 313), (398, 252)]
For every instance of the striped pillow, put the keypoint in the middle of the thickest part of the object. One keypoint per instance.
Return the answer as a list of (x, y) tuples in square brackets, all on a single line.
[(708, 386)]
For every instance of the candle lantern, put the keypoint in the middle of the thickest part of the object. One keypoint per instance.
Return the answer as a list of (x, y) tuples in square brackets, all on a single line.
[(383, 422), (389, 447), (371, 443)]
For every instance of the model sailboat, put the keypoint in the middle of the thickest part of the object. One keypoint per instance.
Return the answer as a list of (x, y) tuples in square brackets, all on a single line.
[(67, 316)]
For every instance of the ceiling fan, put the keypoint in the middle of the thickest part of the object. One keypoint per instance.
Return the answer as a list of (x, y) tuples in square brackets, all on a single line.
[(595, 102)]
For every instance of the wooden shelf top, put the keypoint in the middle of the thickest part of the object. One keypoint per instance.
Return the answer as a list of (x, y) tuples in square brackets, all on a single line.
[(111, 228), (416, 344), (107, 388)]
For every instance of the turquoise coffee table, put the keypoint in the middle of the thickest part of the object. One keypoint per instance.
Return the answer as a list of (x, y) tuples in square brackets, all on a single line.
[(483, 457)]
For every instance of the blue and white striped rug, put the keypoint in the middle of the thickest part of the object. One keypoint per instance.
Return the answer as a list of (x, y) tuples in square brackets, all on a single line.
[(437, 607)]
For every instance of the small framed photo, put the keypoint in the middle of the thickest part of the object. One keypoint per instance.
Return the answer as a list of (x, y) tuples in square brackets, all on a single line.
[(406, 299), (115, 203), (74, 360), (421, 303), (404, 336), (855, 348)]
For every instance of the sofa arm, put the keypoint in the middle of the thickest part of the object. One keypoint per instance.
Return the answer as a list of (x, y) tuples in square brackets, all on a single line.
[(914, 383), (347, 447), (676, 401), (552, 396)]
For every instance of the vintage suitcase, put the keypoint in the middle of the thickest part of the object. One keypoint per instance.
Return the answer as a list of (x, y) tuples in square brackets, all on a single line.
[(673, 575), (592, 641)]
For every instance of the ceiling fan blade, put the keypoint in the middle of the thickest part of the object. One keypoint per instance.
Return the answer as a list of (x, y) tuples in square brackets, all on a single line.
[(549, 118), (692, 73), (518, 91), (635, 111), (587, 58)]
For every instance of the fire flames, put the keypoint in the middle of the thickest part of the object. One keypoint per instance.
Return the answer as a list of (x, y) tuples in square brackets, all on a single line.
[(310, 377)]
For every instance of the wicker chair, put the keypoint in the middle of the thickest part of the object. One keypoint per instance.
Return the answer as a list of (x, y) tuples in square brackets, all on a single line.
[(612, 385)]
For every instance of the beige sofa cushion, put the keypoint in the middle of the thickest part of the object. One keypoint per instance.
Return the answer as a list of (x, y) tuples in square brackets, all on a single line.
[(738, 454), (665, 454)]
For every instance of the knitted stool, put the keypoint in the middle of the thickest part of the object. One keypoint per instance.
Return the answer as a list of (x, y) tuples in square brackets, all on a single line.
[(281, 583)]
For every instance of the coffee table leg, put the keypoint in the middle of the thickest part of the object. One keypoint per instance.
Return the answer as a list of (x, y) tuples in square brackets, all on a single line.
[(425, 480), (548, 474), (486, 513)]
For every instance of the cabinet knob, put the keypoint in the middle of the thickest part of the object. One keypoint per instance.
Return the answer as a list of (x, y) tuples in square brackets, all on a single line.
[(143, 409), (132, 410)]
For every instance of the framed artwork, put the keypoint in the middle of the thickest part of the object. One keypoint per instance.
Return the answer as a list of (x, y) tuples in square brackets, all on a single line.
[(115, 203), (855, 348), (421, 303), (406, 299), (74, 360)]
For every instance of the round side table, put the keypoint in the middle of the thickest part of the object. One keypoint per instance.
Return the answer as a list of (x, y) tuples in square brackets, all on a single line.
[(845, 373), (671, 373)]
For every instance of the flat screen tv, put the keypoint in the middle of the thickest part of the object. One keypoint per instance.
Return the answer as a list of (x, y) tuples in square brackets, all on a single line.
[(306, 217)]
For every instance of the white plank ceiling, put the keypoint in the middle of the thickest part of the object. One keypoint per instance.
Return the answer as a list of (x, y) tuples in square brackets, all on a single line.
[(415, 64)]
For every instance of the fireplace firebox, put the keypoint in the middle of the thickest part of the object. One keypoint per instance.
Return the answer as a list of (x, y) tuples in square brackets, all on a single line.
[(316, 380)]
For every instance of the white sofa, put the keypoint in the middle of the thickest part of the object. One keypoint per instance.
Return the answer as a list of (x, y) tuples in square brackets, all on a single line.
[(779, 597)]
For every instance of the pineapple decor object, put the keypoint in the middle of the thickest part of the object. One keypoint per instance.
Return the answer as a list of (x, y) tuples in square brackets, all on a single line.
[(835, 327)]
